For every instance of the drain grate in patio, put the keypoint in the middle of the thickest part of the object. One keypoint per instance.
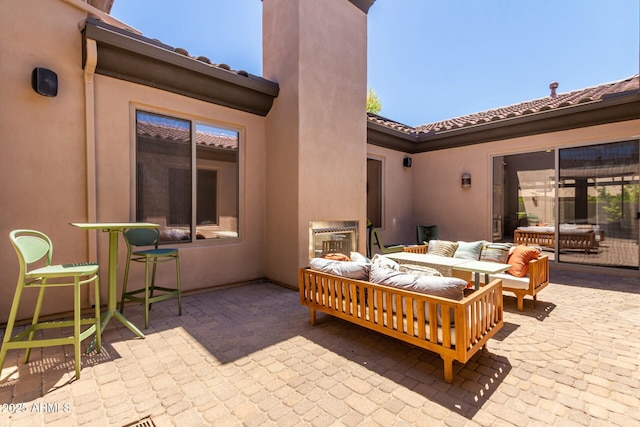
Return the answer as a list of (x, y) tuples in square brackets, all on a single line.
[(145, 422)]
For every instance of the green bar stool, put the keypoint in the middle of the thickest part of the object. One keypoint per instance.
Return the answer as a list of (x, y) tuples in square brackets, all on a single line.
[(35, 247), (150, 257)]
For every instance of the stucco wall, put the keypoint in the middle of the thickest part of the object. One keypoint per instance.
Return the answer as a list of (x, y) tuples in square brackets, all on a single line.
[(203, 263), (44, 163), (317, 127), (465, 214), (42, 168)]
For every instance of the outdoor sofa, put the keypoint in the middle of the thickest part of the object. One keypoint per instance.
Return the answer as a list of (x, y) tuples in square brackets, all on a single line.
[(585, 237), (533, 274), (455, 328)]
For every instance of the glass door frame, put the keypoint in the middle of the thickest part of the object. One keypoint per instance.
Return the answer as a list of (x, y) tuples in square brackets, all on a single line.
[(634, 233)]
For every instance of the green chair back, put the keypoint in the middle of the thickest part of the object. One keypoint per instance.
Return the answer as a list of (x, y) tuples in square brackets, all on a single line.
[(35, 247), (142, 236)]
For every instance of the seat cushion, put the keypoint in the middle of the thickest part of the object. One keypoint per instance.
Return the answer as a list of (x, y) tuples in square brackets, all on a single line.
[(508, 281), (156, 252)]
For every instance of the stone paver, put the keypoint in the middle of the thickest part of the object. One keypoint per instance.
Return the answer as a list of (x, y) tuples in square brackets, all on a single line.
[(248, 356)]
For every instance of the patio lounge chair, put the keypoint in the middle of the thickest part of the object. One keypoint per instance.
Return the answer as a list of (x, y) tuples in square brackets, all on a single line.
[(375, 240), (425, 233)]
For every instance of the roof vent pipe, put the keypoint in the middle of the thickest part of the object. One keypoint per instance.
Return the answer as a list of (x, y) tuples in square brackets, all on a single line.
[(553, 86)]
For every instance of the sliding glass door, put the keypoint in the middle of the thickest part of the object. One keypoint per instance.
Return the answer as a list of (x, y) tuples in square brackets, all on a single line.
[(588, 197), (523, 192), (598, 204)]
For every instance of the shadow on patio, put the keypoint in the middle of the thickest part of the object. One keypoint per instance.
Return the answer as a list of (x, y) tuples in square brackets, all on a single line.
[(248, 355)]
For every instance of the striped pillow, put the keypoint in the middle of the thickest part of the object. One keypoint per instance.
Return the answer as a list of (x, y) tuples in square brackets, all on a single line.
[(496, 252), (442, 248)]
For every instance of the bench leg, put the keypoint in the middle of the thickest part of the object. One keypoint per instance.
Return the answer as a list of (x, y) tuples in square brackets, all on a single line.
[(312, 311), (520, 302), (448, 370)]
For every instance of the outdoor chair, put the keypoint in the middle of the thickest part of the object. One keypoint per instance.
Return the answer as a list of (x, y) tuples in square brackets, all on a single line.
[(35, 247), (425, 233), (375, 240), (151, 258)]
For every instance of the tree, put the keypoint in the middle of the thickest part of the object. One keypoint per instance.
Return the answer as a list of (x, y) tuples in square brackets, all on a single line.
[(374, 105)]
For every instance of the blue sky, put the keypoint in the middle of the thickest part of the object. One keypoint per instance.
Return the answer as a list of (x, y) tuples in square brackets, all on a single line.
[(432, 60)]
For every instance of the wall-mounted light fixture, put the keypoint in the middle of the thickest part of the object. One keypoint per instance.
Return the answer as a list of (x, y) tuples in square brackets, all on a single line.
[(44, 81), (466, 180), (406, 162)]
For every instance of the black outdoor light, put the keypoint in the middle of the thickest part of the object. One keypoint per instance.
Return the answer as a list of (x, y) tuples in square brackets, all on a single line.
[(44, 81), (406, 162)]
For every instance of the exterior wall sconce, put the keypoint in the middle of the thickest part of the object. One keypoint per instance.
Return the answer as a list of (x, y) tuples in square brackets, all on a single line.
[(406, 162), (44, 81), (466, 180)]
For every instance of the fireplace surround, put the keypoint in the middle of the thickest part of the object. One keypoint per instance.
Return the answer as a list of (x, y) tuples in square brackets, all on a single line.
[(332, 236)]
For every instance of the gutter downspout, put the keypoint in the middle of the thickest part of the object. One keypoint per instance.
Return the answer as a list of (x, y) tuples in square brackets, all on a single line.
[(90, 136)]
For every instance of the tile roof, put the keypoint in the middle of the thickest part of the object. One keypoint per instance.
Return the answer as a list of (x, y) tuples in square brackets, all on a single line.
[(179, 50), (173, 133), (549, 103), (206, 60), (392, 124)]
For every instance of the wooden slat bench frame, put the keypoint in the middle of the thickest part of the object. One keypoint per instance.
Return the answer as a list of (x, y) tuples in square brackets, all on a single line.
[(538, 280), (475, 319), (538, 277), (584, 241)]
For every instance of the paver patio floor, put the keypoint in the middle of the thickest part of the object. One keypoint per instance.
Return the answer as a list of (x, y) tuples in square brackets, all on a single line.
[(247, 355)]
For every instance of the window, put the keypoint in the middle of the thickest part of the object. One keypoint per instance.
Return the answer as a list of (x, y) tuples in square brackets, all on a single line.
[(186, 178)]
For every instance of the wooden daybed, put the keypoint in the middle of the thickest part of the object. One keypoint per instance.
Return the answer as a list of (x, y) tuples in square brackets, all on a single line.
[(456, 330), (566, 240)]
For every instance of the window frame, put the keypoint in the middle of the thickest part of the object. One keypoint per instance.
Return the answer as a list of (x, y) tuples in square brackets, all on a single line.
[(240, 179)]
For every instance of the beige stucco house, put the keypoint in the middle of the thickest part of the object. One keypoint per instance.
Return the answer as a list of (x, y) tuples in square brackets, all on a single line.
[(564, 158), (245, 173)]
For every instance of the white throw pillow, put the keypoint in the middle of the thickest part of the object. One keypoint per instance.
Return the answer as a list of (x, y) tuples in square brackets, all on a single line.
[(383, 261), (358, 257)]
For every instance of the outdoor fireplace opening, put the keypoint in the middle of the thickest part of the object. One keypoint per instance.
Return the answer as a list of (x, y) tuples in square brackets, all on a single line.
[(332, 236)]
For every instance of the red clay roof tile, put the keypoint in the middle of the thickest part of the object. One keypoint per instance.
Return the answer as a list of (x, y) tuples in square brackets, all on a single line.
[(561, 100)]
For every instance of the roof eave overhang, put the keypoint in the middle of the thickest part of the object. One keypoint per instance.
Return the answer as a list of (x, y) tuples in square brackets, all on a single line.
[(130, 57), (384, 136), (608, 110), (363, 5)]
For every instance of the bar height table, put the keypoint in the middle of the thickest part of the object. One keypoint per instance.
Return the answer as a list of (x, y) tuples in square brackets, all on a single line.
[(114, 229)]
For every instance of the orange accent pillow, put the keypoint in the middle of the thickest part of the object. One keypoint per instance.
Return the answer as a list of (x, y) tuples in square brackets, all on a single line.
[(336, 256), (519, 259)]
